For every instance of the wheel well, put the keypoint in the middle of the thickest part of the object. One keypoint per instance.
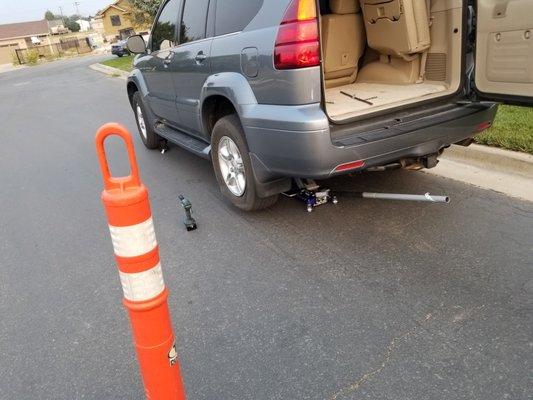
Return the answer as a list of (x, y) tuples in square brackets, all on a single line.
[(132, 88), (214, 108)]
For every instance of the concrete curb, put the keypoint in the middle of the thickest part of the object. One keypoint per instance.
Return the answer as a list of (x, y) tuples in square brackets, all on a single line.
[(506, 161), (115, 72), (503, 171)]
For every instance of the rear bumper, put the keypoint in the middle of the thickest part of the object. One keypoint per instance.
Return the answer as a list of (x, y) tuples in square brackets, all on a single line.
[(296, 141)]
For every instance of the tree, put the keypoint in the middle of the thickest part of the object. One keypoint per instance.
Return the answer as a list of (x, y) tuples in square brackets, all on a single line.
[(49, 16), (143, 11), (149, 7), (72, 25)]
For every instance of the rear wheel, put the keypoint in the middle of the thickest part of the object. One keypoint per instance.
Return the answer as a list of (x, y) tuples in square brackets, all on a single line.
[(233, 167), (148, 136)]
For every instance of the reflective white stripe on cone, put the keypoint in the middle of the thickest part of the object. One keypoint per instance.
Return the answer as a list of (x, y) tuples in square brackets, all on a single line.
[(142, 286), (134, 240)]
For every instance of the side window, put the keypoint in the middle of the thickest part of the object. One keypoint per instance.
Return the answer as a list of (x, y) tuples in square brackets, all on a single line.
[(235, 15), (164, 32), (115, 20), (194, 20)]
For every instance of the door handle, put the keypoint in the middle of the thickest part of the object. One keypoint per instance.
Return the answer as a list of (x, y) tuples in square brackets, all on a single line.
[(169, 58), (200, 57)]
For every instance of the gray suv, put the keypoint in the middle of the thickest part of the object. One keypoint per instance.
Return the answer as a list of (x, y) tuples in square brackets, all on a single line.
[(271, 90)]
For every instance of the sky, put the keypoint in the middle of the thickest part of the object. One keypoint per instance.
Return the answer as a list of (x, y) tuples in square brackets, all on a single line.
[(32, 10)]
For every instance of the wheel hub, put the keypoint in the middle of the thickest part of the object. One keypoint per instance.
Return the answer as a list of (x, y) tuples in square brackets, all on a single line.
[(232, 166), (142, 123)]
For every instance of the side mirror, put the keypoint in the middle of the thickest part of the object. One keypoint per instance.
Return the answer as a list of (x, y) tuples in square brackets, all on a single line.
[(136, 44)]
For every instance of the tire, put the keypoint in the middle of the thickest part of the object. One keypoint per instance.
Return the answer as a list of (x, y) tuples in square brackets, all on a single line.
[(120, 54), (229, 127), (148, 136)]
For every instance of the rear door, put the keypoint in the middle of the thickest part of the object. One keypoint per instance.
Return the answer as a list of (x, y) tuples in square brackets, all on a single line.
[(504, 51), (192, 63), (159, 65)]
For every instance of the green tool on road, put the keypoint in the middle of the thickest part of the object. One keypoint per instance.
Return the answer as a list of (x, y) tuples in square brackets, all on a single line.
[(189, 221)]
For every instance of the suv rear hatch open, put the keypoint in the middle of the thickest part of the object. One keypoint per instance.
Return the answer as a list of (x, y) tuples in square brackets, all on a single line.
[(380, 56)]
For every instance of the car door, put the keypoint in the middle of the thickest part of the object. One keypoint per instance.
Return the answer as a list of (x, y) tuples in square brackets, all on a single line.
[(504, 51), (159, 66), (192, 63)]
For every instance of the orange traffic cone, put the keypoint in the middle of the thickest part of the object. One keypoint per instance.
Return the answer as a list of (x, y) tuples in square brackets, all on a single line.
[(145, 296)]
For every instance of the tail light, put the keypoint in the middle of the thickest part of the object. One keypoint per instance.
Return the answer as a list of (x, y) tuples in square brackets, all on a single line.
[(297, 43), (349, 166), (482, 126)]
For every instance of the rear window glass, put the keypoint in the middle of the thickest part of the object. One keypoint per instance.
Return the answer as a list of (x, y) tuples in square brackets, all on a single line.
[(194, 20), (235, 15)]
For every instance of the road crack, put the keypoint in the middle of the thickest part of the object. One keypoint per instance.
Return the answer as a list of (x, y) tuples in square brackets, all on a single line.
[(391, 348)]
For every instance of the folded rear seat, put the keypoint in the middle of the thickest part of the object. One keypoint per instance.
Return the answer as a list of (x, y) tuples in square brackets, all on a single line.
[(343, 42), (399, 31)]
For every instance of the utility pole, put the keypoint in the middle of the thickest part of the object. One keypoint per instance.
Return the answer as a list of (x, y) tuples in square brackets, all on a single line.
[(77, 5), (62, 17)]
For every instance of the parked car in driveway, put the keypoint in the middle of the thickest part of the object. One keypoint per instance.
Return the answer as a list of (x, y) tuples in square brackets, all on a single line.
[(120, 48), (314, 89)]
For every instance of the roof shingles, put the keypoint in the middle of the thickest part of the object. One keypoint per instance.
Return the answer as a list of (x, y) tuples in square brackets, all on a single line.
[(24, 29)]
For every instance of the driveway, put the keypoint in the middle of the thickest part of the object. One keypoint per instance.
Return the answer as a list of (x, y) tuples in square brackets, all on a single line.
[(364, 300)]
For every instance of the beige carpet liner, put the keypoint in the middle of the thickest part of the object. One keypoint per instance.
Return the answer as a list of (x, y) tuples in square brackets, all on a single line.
[(340, 106)]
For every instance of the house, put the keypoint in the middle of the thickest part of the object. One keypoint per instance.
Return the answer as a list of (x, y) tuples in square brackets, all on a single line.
[(84, 25), (21, 36), (97, 24), (114, 21)]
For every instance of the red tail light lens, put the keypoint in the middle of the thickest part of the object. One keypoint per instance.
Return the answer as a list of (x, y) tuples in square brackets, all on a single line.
[(297, 43), (297, 55), (349, 166), (297, 32), (481, 127)]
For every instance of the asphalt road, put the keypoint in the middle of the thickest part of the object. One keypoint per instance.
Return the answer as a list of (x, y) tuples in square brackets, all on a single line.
[(364, 300)]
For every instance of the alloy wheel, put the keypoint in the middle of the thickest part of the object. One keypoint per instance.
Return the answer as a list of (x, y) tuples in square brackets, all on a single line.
[(142, 123), (232, 166)]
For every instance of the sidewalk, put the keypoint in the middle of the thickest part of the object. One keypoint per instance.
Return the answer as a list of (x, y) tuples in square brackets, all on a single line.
[(503, 171), (10, 67)]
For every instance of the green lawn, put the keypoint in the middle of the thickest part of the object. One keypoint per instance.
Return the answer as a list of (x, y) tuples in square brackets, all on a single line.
[(512, 130), (123, 63)]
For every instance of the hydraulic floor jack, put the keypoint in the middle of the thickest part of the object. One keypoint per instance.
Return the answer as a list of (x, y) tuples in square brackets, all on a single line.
[(308, 192)]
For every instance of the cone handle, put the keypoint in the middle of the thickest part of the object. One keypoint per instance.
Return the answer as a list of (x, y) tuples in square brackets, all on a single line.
[(111, 182)]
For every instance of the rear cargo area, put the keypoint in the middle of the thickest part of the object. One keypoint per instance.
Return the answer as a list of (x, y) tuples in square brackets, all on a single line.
[(383, 54)]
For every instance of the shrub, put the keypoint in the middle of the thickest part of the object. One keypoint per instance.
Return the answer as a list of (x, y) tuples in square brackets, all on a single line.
[(32, 57)]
